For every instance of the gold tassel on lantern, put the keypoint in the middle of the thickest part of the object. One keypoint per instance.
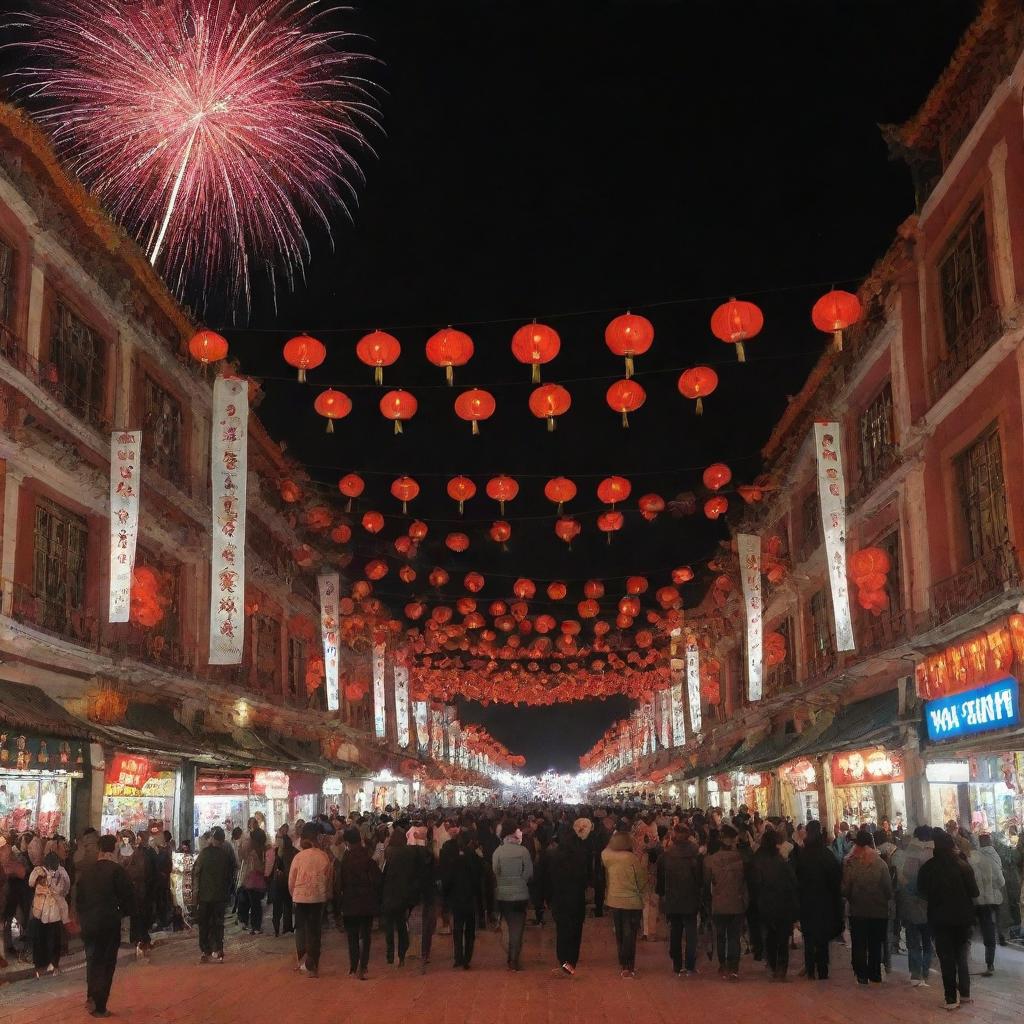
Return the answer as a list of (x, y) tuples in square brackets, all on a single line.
[(741, 353), (535, 375), (302, 375), (476, 427), (378, 374), (330, 426), (629, 367), (625, 420), (551, 424), (398, 426), (700, 406), (449, 374), (837, 340)]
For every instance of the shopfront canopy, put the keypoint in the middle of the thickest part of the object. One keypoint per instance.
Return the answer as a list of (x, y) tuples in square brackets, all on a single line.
[(28, 709)]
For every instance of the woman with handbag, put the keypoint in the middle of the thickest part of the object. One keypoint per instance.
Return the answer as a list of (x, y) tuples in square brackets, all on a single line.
[(257, 867), (50, 885)]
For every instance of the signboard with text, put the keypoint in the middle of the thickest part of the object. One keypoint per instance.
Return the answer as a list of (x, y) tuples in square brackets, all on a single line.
[(996, 706)]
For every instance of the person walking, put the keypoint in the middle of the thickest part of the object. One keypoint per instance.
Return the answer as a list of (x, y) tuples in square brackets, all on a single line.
[(778, 901), (988, 873), (867, 886), (141, 868), (420, 840), (566, 877), (213, 876), (724, 874), (819, 881), (399, 893), (359, 880), (103, 896), (309, 880), (461, 879), (680, 883), (279, 894), (911, 906), (948, 886), (626, 883), (513, 870), (50, 886)]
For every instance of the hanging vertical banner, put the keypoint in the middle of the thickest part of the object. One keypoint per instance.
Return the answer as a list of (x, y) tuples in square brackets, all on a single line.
[(125, 472), (693, 685), (454, 741), (832, 497), (748, 545), (329, 582), (402, 704), (379, 709), (678, 708), (228, 471), (420, 713), (665, 717), (436, 735)]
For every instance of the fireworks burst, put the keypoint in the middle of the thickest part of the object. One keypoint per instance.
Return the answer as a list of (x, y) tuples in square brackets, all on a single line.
[(209, 128)]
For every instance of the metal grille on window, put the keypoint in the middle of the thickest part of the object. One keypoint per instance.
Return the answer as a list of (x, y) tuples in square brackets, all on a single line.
[(967, 306), (76, 354), (58, 573), (6, 298), (983, 495), (877, 440), (821, 637), (268, 650), (890, 544), (162, 426), (810, 515)]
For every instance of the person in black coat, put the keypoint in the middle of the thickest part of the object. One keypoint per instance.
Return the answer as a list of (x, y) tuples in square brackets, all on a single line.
[(565, 878), (819, 878), (778, 902), (461, 874), (680, 884), (400, 893), (104, 896), (949, 887), (358, 879)]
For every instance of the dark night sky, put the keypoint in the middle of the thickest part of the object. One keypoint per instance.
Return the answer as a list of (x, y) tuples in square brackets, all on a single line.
[(543, 158)]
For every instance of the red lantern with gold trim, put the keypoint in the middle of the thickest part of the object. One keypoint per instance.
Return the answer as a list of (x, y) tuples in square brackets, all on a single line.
[(475, 405), (417, 530), (351, 486), (535, 344), (373, 522), (501, 489), (461, 489), (398, 406), (629, 336), (559, 490), (550, 401), (557, 591), (457, 542), (651, 505), (697, 383), (735, 322), (834, 312), (625, 396), (405, 489), (473, 582), (716, 476), (304, 353), (500, 532), (613, 489), (378, 350), (332, 405), (449, 348), (208, 347), (567, 529), (715, 508), (609, 523)]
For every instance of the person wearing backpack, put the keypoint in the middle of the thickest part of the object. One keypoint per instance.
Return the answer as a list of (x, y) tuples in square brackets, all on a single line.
[(50, 886)]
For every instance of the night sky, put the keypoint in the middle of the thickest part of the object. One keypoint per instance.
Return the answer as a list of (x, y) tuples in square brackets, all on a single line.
[(566, 161)]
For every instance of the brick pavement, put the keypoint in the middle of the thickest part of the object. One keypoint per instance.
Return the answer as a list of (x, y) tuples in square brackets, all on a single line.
[(258, 986)]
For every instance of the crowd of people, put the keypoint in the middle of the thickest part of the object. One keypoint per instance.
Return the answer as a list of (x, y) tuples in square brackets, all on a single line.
[(725, 886)]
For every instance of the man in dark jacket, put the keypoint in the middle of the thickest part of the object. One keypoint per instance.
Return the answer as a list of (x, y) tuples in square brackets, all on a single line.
[(358, 880), (819, 878), (725, 876), (778, 902), (103, 897), (948, 885), (213, 875), (461, 872), (755, 931), (399, 894), (565, 878), (680, 884)]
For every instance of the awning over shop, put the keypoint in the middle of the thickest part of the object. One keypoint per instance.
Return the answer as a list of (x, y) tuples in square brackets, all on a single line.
[(28, 709), (153, 729), (722, 764), (872, 722)]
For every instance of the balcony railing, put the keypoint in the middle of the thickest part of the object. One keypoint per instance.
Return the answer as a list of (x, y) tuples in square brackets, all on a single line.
[(47, 376), (886, 459), (51, 616), (877, 633), (966, 349), (154, 648), (994, 573), (821, 664), (778, 678)]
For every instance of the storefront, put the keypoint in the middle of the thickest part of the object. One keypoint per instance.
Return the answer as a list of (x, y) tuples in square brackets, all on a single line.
[(221, 800), (304, 792), (268, 799), (867, 786), (139, 793), (799, 787), (333, 792), (37, 776)]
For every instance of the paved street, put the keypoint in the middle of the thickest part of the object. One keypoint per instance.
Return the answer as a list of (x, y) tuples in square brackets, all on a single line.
[(258, 986)]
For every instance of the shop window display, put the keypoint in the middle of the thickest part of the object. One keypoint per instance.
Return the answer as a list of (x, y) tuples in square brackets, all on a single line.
[(40, 804)]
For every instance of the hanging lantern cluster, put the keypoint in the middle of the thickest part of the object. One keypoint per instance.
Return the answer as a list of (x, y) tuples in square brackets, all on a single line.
[(869, 568)]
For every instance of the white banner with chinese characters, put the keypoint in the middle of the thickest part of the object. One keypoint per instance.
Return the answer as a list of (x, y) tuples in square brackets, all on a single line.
[(748, 546), (828, 449), (421, 712), (665, 718), (329, 583), (678, 708), (436, 735), (693, 685), (228, 469), (379, 707), (455, 749), (402, 704), (125, 472)]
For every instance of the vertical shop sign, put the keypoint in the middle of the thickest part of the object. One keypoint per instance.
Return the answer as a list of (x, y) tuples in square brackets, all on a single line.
[(832, 497), (379, 721), (748, 546), (329, 583), (402, 704), (125, 472)]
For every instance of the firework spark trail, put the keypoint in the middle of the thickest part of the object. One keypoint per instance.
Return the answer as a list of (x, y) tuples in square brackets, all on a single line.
[(209, 128)]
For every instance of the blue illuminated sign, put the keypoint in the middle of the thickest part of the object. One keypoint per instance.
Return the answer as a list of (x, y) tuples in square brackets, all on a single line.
[(995, 706)]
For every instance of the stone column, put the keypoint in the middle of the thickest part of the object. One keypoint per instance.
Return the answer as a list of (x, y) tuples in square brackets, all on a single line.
[(915, 784), (12, 493), (36, 299), (186, 803)]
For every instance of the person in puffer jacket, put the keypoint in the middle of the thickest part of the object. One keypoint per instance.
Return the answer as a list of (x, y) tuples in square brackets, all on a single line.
[(725, 874), (867, 886), (988, 873), (911, 906)]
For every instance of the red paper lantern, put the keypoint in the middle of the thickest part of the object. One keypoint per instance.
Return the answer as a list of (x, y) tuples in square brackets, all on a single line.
[(651, 505), (449, 348), (609, 522), (623, 621), (207, 347), (524, 589), (473, 582), (378, 350), (550, 401), (290, 491), (373, 522), (341, 534), (376, 570), (461, 489), (625, 396), (636, 585), (351, 486), (734, 322), (667, 597), (438, 577), (557, 591), (501, 489), (500, 532), (613, 489), (405, 490), (398, 406), (559, 490), (535, 344), (697, 383), (544, 624), (333, 405), (567, 529), (715, 507), (593, 589), (417, 530), (588, 609), (629, 606), (716, 476), (407, 574), (475, 405), (414, 610), (682, 575), (457, 542), (834, 312), (628, 336), (304, 353)]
